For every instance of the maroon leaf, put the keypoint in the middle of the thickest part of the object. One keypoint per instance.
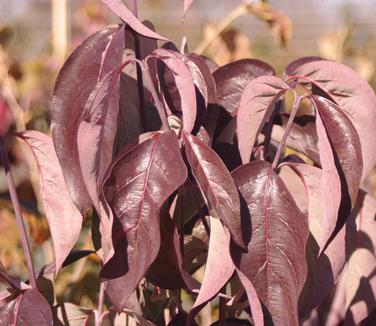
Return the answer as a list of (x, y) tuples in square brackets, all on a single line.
[(354, 96), (29, 308), (341, 161), (216, 184), (219, 265), (256, 105), (141, 179), (294, 65), (97, 126), (232, 79), (275, 261), (63, 217), (361, 276), (77, 79), (119, 9), (184, 84), (167, 269)]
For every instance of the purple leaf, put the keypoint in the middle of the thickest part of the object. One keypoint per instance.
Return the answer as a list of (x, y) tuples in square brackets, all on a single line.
[(294, 65), (216, 185), (63, 217), (141, 179), (219, 265), (97, 126), (92, 60), (187, 4), (275, 261), (29, 308), (354, 96), (167, 269), (256, 104), (120, 10), (254, 302), (184, 84), (232, 79), (341, 160), (361, 277)]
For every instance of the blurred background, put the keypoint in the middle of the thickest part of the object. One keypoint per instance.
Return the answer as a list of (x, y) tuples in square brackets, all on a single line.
[(37, 35)]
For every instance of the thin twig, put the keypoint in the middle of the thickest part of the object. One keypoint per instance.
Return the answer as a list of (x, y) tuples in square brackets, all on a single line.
[(17, 212), (100, 315), (282, 144)]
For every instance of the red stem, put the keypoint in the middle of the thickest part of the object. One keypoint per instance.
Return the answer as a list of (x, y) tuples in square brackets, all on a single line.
[(17, 212)]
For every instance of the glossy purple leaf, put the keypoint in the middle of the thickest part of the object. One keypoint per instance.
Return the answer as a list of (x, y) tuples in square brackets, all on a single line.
[(341, 161), (275, 261), (120, 10), (216, 185), (256, 105), (184, 83), (354, 96), (141, 179), (361, 276), (29, 308), (294, 65), (97, 126), (167, 269), (64, 219), (254, 302), (219, 265), (232, 79), (76, 80)]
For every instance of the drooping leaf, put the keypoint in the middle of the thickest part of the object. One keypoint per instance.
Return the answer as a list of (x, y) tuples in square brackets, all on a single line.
[(97, 124), (29, 308), (219, 265), (64, 219), (141, 178), (76, 80), (354, 96), (361, 268), (256, 104), (120, 10), (275, 261), (341, 161), (167, 269), (232, 79), (216, 184), (184, 84)]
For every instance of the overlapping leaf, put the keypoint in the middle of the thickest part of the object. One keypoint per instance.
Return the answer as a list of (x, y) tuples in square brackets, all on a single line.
[(63, 217), (26, 309), (123, 12), (141, 178), (256, 105), (275, 261), (232, 79), (354, 96), (216, 184), (77, 79)]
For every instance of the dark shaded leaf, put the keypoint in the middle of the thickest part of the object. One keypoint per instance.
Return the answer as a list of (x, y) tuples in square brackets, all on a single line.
[(256, 105), (232, 79), (141, 178), (354, 96), (216, 184), (167, 269), (29, 308), (120, 10), (64, 219), (275, 261), (92, 60)]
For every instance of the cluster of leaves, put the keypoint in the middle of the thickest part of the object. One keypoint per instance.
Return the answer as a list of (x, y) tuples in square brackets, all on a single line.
[(183, 164)]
